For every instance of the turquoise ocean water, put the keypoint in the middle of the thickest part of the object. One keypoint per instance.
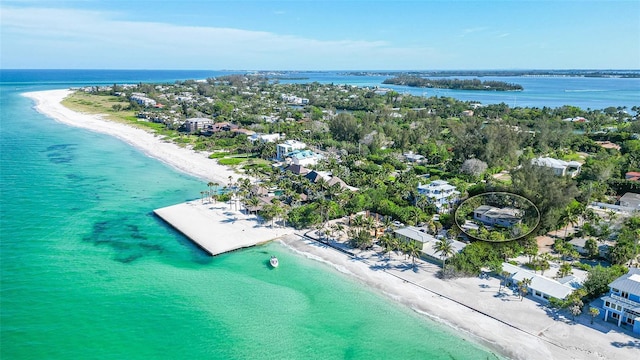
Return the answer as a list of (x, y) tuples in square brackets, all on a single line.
[(87, 272)]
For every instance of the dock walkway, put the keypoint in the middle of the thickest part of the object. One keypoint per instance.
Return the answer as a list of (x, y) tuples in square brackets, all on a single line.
[(216, 228)]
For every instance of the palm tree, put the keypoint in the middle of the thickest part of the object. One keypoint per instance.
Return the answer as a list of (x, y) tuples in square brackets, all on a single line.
[(278, 209), (570, 215), (445, 248), (507, 251), (338, 228), (544, 259), (369, 223), (387, 243), (211, 184), (415, 212), (414, 250), (593, 312), (323, 209), (387, 222), (565, 270), (523, 287), (358, 221), (253, 202), (505, 275)]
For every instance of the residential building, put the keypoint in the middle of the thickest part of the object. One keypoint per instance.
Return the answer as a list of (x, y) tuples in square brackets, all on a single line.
[(560, 167), (413, 158), (632, 176), (315, 176), (493, 216), (426, 241), (622, 303), (265, 138), (578, 119), (142, 99), (292, 99), (283, 149), (630, 202), (296, 169), (580, 244), (541, 287), (196, 124), (303, 157), (440, 193)]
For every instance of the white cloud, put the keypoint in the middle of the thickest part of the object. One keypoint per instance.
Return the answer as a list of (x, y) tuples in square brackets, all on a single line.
[(40, 37)]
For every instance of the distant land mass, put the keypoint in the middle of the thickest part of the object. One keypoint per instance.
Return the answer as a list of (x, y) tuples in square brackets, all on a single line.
[(481, 73), (455, 84)]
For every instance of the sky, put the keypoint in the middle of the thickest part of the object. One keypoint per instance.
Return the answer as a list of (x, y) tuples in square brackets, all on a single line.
[(319, 35)]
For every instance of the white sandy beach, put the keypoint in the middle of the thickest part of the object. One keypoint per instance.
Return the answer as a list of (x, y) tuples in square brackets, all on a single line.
[(185, 160), (518, 329), (473, 306)]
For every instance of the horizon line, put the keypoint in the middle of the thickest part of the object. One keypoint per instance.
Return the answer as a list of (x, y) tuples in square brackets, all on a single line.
[(326, 70)]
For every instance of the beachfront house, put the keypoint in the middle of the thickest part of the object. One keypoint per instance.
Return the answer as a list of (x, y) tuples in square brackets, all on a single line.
[(285, 148), (440, 193), (194, 125), (493, 216), (622, 303), (426, 241), (559, 167), (303, 157), (541, 288)]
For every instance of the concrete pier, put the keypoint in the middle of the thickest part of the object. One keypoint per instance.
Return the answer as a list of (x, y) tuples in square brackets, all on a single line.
[(216, 228)]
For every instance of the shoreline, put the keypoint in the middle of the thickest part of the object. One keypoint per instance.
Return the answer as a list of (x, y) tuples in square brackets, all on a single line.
[(467, 305), (502, 323), (187, 161)]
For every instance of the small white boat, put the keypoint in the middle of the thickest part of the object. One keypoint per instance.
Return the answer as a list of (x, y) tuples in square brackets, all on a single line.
[(273, 261)]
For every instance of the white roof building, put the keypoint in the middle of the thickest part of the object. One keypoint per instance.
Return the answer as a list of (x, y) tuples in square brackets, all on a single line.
[(412, 233), (541, 287), (630, 201), (264, 137), (283, 149), (303, 157), (414, 158), (490, 215), (439, 192), (560, 167)]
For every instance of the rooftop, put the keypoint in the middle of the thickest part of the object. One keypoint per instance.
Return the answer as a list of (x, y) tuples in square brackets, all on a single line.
[(540, 283), (630, 282)]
